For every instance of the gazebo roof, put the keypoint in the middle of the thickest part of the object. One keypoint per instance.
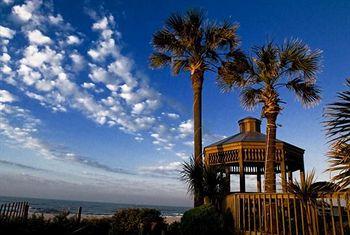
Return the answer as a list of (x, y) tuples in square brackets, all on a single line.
[(242, 137), (249, 132)]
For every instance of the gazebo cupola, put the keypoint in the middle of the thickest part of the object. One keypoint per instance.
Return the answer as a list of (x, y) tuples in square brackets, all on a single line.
[(244, 154)]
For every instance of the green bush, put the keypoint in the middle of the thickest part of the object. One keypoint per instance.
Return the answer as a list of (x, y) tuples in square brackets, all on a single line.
[(59, 225), (174, 229), (133, 221), (202, 220)]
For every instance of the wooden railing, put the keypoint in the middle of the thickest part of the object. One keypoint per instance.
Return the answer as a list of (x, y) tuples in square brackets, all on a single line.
[(14, 210), (282, 213)]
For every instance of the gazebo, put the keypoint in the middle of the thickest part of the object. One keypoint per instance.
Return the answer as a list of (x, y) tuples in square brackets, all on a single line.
[(244, 154)]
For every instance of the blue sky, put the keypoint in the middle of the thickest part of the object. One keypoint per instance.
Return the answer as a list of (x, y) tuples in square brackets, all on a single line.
[(82, 116)]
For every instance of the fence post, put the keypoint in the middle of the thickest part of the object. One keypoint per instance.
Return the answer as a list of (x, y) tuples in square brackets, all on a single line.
[(26, 210), (79, 214)]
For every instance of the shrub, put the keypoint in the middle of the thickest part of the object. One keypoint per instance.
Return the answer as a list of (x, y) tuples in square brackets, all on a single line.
[(174, 229), (59, 225), (94, 226), (203, 220), (132, 221)]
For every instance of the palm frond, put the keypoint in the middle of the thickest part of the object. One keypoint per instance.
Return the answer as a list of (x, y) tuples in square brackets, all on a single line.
[(339, 159), (158, 60), (192, 175), (267, 62), (310, 190), (178, 65), (307, 92), (165, 41), (250, 97), (221, 36), (175, 23), (232, 73), (297, 57), (338, 117), (194, 18)]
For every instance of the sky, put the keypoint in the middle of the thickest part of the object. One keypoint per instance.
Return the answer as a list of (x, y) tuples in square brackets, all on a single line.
[(83, 117)]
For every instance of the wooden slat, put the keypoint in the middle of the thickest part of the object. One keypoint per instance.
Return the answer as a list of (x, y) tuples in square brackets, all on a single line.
[(243, 202), (254, 214), (324, 216), (347, 206), (332, 216), (283, 221), (265, 214), (260, 217), (295, 216), (249, 219), (276, 211), (271, 218), (289, 216), (302, 217), (340, 215)]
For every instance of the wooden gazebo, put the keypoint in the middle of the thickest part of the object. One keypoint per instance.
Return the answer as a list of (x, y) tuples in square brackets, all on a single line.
[(244, 154)]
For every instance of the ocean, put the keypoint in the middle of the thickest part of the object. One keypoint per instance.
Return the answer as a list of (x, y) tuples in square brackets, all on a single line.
[(88, 208)]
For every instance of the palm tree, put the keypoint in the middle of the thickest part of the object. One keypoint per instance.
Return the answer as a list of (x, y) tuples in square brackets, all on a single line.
[(308, 193), (209, 181), (189, 43), (338, 130), (293, 66)]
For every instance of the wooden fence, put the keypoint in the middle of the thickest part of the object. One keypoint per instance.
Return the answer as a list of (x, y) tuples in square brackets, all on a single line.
[(14, 210), (282, 213)]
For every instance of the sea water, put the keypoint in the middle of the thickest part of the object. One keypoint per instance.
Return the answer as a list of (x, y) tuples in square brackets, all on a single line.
[(54, 206)]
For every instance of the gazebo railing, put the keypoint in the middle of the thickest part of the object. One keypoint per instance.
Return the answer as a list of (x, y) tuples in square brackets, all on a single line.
[(283, 213)]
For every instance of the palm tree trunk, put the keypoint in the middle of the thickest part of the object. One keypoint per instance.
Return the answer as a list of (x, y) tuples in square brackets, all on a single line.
[(270, 177), (197, 85)]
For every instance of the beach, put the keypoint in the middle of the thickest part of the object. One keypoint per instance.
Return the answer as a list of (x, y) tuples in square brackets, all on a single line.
[(169, 219)]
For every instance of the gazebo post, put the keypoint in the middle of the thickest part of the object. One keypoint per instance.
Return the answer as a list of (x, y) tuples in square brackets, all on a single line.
[(302, 175), (241, 172), (228, 177), (258, 179), (290, 176), (283, 175)]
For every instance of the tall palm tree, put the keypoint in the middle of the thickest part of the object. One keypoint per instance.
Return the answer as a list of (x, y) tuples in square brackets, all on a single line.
[(338, 131), (189, 43), (293, 66)]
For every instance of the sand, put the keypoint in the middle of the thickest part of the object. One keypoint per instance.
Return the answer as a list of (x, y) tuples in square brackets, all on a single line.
[(168, 219)]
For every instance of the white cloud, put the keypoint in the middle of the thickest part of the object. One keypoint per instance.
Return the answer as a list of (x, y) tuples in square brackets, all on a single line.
[(171, 115), (168, 169), (6, 97), (36, 37), (6, 69), (72, 39), (5, 57), (88, 85), (138, 138), (138, 108), (56, 19), (98, 74), (186, 128), (8, 2), (101, 24), (25, 12), (78, 61), (183, 155), (6, 32)]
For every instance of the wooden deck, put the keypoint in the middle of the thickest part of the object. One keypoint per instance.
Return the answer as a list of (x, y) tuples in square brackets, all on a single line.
[(283, 213)]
